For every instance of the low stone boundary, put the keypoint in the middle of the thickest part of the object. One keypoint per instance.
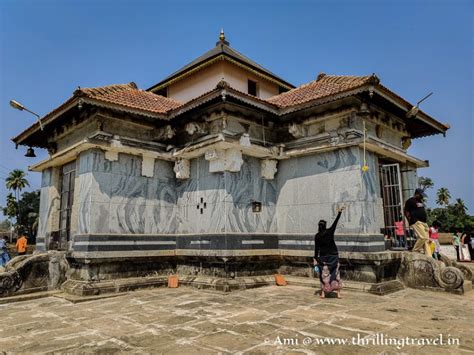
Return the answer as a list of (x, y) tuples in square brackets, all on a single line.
[(33, 273)]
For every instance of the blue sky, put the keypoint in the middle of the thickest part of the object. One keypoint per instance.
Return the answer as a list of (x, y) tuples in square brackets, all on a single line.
[(50, 47)]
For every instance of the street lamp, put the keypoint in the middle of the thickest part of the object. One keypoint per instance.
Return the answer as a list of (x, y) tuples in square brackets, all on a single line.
[(16, 105)]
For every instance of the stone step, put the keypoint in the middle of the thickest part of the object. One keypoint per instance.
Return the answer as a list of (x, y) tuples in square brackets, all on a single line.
[(382, 288), (79, 299), (28, 296)]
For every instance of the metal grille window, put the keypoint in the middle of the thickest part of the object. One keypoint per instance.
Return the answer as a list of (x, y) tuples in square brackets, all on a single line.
[(68, 174), (392, 196)]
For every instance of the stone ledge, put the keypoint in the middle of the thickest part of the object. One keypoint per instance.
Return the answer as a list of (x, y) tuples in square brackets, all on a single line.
[(79, 291), (94, 288), (28, 296), (79, 299), (381, 288)]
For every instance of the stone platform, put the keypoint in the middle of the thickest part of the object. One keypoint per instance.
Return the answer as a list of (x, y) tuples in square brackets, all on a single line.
[(377, 273), (96, 276)]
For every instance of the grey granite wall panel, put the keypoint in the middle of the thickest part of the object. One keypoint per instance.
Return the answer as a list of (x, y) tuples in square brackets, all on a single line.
[(44, 212), (117, 200)]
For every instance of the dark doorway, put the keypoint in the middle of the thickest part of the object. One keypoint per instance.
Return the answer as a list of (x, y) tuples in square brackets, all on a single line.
[(392, 196)]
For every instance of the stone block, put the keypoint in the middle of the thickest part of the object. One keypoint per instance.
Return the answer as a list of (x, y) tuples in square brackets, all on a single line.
[(148, 166), (268, 169), (182, 169)]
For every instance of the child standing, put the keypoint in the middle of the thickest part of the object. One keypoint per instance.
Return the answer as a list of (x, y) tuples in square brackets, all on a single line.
[(457, 243), (400, 232), (434, 236)]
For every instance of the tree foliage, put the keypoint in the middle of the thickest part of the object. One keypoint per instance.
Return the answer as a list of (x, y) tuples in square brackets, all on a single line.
[(24, 207), (5, 225), (11, 208), (450, 216), (29, 206), (425, 183), (443, 196), (16, 181)]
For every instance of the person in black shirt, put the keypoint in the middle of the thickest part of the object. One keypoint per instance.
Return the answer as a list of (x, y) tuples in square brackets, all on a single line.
[(326, 256), (416, 214)]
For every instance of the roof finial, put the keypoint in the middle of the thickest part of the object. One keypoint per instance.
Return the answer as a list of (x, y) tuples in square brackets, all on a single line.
[(222, 38)]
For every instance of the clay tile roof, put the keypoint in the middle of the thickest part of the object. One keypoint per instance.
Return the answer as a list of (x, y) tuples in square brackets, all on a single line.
[(324, 85), (130, 96)]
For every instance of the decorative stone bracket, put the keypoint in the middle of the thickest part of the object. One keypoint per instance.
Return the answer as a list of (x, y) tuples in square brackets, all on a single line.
[(165, 133), (115, 145), (406, 143), (224, 160), (148, 166), (182, 169), (194, 127), (297, 131), (268, 168), (245, 140)]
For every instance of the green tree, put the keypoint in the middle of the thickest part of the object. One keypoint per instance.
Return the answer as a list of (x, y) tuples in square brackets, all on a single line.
[(443, 196), (460, 207), (11, 208), (425, 183), (5, 225), (29, 205), (16, 181), (451, 216)]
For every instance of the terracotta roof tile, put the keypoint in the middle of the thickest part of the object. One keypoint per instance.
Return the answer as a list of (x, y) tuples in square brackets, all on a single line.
[(130, 96), (324, 85)]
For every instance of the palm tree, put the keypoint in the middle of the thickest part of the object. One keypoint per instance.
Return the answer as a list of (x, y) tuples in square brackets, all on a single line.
[(425, 183), (443, 197), (460, 207), (16, 181)]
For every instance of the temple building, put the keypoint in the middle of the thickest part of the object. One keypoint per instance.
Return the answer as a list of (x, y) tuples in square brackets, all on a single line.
[(223, 168)]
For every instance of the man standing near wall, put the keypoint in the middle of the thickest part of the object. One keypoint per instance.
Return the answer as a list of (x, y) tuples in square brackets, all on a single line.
[(416, 214), (21, 244)]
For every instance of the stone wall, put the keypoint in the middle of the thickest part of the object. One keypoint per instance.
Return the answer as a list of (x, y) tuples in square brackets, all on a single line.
[(119, 210)]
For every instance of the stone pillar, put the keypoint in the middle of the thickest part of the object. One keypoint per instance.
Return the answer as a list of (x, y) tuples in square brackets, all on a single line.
[(49, 208)]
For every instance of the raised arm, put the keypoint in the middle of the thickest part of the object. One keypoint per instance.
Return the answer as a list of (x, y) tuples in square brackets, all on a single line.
[(334, 224)]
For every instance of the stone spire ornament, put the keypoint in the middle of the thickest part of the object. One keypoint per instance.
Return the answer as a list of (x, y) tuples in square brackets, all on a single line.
[(222, 39)]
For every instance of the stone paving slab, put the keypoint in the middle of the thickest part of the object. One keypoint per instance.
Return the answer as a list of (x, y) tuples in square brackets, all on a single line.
[(280, 320)]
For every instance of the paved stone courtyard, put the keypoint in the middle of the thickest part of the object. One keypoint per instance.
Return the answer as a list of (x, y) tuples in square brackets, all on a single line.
[(264, 320)]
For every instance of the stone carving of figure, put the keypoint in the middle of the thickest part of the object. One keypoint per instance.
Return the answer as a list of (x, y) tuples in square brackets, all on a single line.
[(296, 130)]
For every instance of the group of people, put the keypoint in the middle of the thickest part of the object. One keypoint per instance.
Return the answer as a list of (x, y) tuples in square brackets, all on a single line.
[(21, 246), (326, 255), (465, 238), (428, 237)]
